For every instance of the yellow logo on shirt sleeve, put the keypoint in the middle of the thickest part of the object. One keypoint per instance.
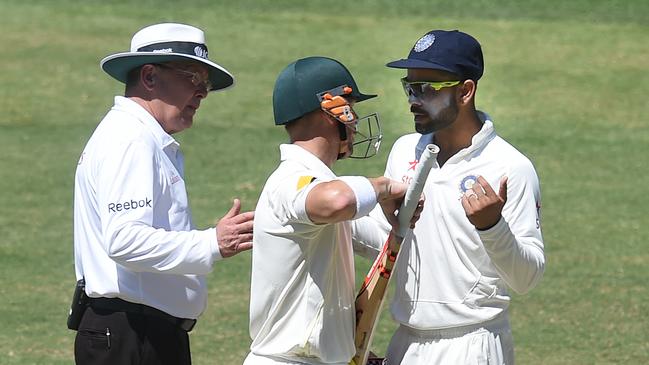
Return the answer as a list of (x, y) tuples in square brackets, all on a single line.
[(304, 181)]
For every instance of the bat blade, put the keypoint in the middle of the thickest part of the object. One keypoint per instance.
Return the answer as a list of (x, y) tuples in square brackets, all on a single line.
[(370, 298), (372, 293)]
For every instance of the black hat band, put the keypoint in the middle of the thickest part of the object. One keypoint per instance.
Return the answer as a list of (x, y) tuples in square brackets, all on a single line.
[(188, 48)]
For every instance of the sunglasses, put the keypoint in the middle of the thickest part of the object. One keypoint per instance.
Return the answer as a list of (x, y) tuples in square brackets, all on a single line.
[(196, 78), (419, 88)]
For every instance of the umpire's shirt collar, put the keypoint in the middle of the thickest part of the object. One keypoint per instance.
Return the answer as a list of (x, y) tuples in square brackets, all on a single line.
[(162, 138)]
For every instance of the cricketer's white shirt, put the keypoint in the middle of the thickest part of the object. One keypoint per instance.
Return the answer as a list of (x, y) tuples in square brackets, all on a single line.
[(133, 234), (302, 290), (450, 274)]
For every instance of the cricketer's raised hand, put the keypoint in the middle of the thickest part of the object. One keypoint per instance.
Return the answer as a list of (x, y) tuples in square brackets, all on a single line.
[(483, 207)]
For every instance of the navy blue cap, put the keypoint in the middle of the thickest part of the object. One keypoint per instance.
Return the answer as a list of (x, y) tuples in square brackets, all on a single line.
[(452, 51)]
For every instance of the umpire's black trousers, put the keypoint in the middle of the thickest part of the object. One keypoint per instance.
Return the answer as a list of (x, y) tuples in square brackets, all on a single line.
[(107, 337)]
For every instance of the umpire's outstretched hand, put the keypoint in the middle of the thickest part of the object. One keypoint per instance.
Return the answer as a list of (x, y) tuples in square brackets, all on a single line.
[(234, 231)]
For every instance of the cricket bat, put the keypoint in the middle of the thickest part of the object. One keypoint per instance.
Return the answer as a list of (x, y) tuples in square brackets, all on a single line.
[(370, 297)]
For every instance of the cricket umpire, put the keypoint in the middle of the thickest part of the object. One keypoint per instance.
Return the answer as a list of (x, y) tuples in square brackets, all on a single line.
[(143, 262)]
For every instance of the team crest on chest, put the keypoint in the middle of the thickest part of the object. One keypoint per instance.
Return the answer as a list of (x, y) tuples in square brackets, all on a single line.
[(467, 183)]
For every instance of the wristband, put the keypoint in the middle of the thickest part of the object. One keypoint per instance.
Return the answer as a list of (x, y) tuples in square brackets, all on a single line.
[(364, 193)]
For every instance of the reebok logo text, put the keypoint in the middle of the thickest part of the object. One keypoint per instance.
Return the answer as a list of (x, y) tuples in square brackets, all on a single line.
[(127, 205)]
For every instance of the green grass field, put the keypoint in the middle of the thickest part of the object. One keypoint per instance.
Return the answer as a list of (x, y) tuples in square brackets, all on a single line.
[(565, 82)]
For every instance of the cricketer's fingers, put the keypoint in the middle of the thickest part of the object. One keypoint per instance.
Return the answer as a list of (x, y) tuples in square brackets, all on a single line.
[(389, 208), (243, 218), (488, 190), (245, 237), (245, 227), (395, 190), (468, 210), (244, 246), (245, 242), (480, 187), (502, 191), (418, 210), (469, 201)]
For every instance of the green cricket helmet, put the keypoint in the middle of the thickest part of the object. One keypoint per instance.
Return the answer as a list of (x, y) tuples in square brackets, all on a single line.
[(301, 88), (299, 84)]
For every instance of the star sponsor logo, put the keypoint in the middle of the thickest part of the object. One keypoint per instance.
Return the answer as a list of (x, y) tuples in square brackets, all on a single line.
[(163, 50), (407, 176), (412, 164), (130, 205)]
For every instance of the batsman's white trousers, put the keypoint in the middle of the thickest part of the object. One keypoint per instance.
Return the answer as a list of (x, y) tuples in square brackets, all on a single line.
[(253, 359), (486, 343)]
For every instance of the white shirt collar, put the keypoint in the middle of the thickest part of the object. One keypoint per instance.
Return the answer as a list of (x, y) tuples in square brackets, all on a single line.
[(163, 139), (484, 135), (304, 157), (478, 141)]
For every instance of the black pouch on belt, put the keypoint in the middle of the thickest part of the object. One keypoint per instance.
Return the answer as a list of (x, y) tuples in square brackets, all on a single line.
[(78, 306)]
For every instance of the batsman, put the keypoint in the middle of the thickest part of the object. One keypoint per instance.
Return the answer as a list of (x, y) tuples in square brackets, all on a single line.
[(308, 220)]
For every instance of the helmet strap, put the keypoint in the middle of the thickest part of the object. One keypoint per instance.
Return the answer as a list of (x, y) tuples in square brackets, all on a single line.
[(344, 149)]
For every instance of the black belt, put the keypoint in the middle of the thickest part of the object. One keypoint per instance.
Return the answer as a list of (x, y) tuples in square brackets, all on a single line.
[(119, 305)]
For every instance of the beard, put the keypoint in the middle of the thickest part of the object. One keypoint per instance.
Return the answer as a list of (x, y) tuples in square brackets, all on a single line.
[(433, 115)]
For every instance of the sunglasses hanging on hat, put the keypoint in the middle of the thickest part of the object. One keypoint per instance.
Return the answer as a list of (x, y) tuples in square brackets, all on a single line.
[(368, 128)]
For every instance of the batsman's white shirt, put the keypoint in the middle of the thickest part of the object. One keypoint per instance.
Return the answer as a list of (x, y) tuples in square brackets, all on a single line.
[(302, 290), (133, 236), (449, 274)]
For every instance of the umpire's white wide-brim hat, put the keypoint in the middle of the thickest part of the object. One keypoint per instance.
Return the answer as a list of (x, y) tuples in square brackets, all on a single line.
[(164, 43)]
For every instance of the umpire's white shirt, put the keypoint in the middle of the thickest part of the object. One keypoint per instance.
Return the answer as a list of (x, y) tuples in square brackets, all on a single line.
[(133, 236), (302, 295), (449, 274)]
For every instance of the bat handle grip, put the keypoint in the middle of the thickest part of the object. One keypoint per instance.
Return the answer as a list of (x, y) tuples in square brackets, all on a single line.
[(427, 160)]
